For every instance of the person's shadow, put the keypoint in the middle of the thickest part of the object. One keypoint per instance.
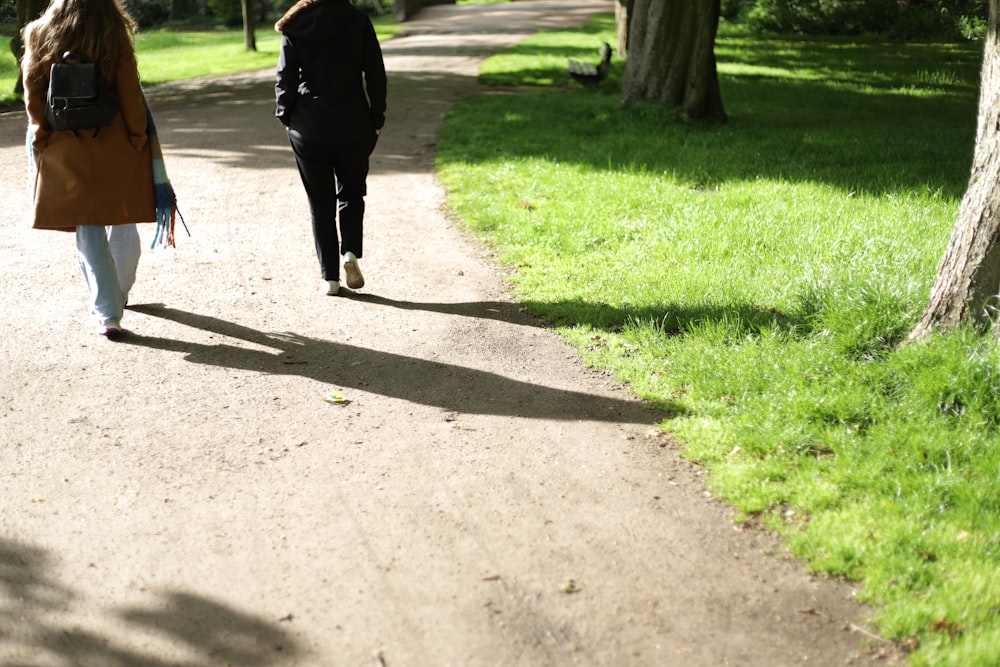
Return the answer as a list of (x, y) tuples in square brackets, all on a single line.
[(203, 631), (450, 387)]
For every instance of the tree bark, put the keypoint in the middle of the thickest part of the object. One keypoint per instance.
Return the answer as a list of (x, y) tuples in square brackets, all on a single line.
[(623, 9), (671, 45), (969, 276), (249, 34), (180, 9)]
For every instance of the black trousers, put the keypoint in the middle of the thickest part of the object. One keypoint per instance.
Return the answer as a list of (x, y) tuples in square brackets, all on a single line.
[(335, 179)]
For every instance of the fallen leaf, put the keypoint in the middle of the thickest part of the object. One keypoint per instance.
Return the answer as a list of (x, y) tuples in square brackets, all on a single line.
[(335, 397), (946, 626)]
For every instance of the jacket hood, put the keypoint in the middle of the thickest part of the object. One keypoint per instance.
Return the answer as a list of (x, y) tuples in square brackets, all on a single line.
[(314, 19)]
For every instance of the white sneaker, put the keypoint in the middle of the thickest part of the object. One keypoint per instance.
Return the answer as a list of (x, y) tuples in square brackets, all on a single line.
[(354, 278), (331, 287), (112, 329)]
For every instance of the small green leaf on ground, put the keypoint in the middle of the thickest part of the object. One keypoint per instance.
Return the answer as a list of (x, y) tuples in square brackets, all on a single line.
[(335, 397)]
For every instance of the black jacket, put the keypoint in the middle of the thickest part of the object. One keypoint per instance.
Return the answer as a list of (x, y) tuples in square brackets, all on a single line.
[(331, 82)]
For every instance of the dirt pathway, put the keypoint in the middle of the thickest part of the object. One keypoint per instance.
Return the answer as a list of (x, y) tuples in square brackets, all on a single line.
[(186, 497)]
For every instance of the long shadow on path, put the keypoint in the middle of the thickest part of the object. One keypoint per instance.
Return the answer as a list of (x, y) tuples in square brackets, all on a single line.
[(203, 631), (447, 386)]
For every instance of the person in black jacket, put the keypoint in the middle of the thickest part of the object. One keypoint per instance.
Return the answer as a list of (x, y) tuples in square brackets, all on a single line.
[(330, 93)]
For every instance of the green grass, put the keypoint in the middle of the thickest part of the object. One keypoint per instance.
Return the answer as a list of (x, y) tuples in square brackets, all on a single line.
[(8, 74), (756, 280), (171, 55), (166, 55)]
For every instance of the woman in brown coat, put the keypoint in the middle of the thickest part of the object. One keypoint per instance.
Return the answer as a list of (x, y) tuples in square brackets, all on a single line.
[(96, 182)]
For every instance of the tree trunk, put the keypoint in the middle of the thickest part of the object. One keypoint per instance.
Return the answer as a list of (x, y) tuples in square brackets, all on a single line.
[(623, 9), (671, 45), (249, 36), (969, 275), (181, 9)]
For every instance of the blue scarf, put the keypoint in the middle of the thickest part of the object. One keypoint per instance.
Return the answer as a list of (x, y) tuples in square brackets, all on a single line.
[(166, 200)]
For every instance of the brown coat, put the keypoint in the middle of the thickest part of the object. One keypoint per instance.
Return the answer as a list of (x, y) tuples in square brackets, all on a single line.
[(81, 179)]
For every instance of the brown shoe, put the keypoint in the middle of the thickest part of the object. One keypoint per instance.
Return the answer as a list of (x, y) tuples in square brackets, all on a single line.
[(354, 278)]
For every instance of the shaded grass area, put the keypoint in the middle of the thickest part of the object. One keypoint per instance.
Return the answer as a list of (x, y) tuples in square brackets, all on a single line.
[(173, 55), (756, 281)]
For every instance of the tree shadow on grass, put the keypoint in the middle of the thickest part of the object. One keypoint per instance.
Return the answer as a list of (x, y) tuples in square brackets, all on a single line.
[(671, 320), (201, 631), (786, 132), (502, 311), (447, 386)]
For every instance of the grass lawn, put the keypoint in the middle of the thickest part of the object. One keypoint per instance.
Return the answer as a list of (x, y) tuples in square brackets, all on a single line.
[(756, 280), (171, 55)]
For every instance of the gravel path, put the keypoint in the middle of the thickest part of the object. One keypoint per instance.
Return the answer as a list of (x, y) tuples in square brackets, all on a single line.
[(186, 497)]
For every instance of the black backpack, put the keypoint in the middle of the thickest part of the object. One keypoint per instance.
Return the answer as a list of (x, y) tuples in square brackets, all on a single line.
[(78, 97)]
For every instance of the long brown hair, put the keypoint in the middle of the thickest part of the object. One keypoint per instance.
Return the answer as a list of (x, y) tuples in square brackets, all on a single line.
[(100, 31), (294, 11)]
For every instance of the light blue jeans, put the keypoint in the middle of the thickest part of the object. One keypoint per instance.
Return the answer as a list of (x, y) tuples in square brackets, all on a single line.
[(108, 258)]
